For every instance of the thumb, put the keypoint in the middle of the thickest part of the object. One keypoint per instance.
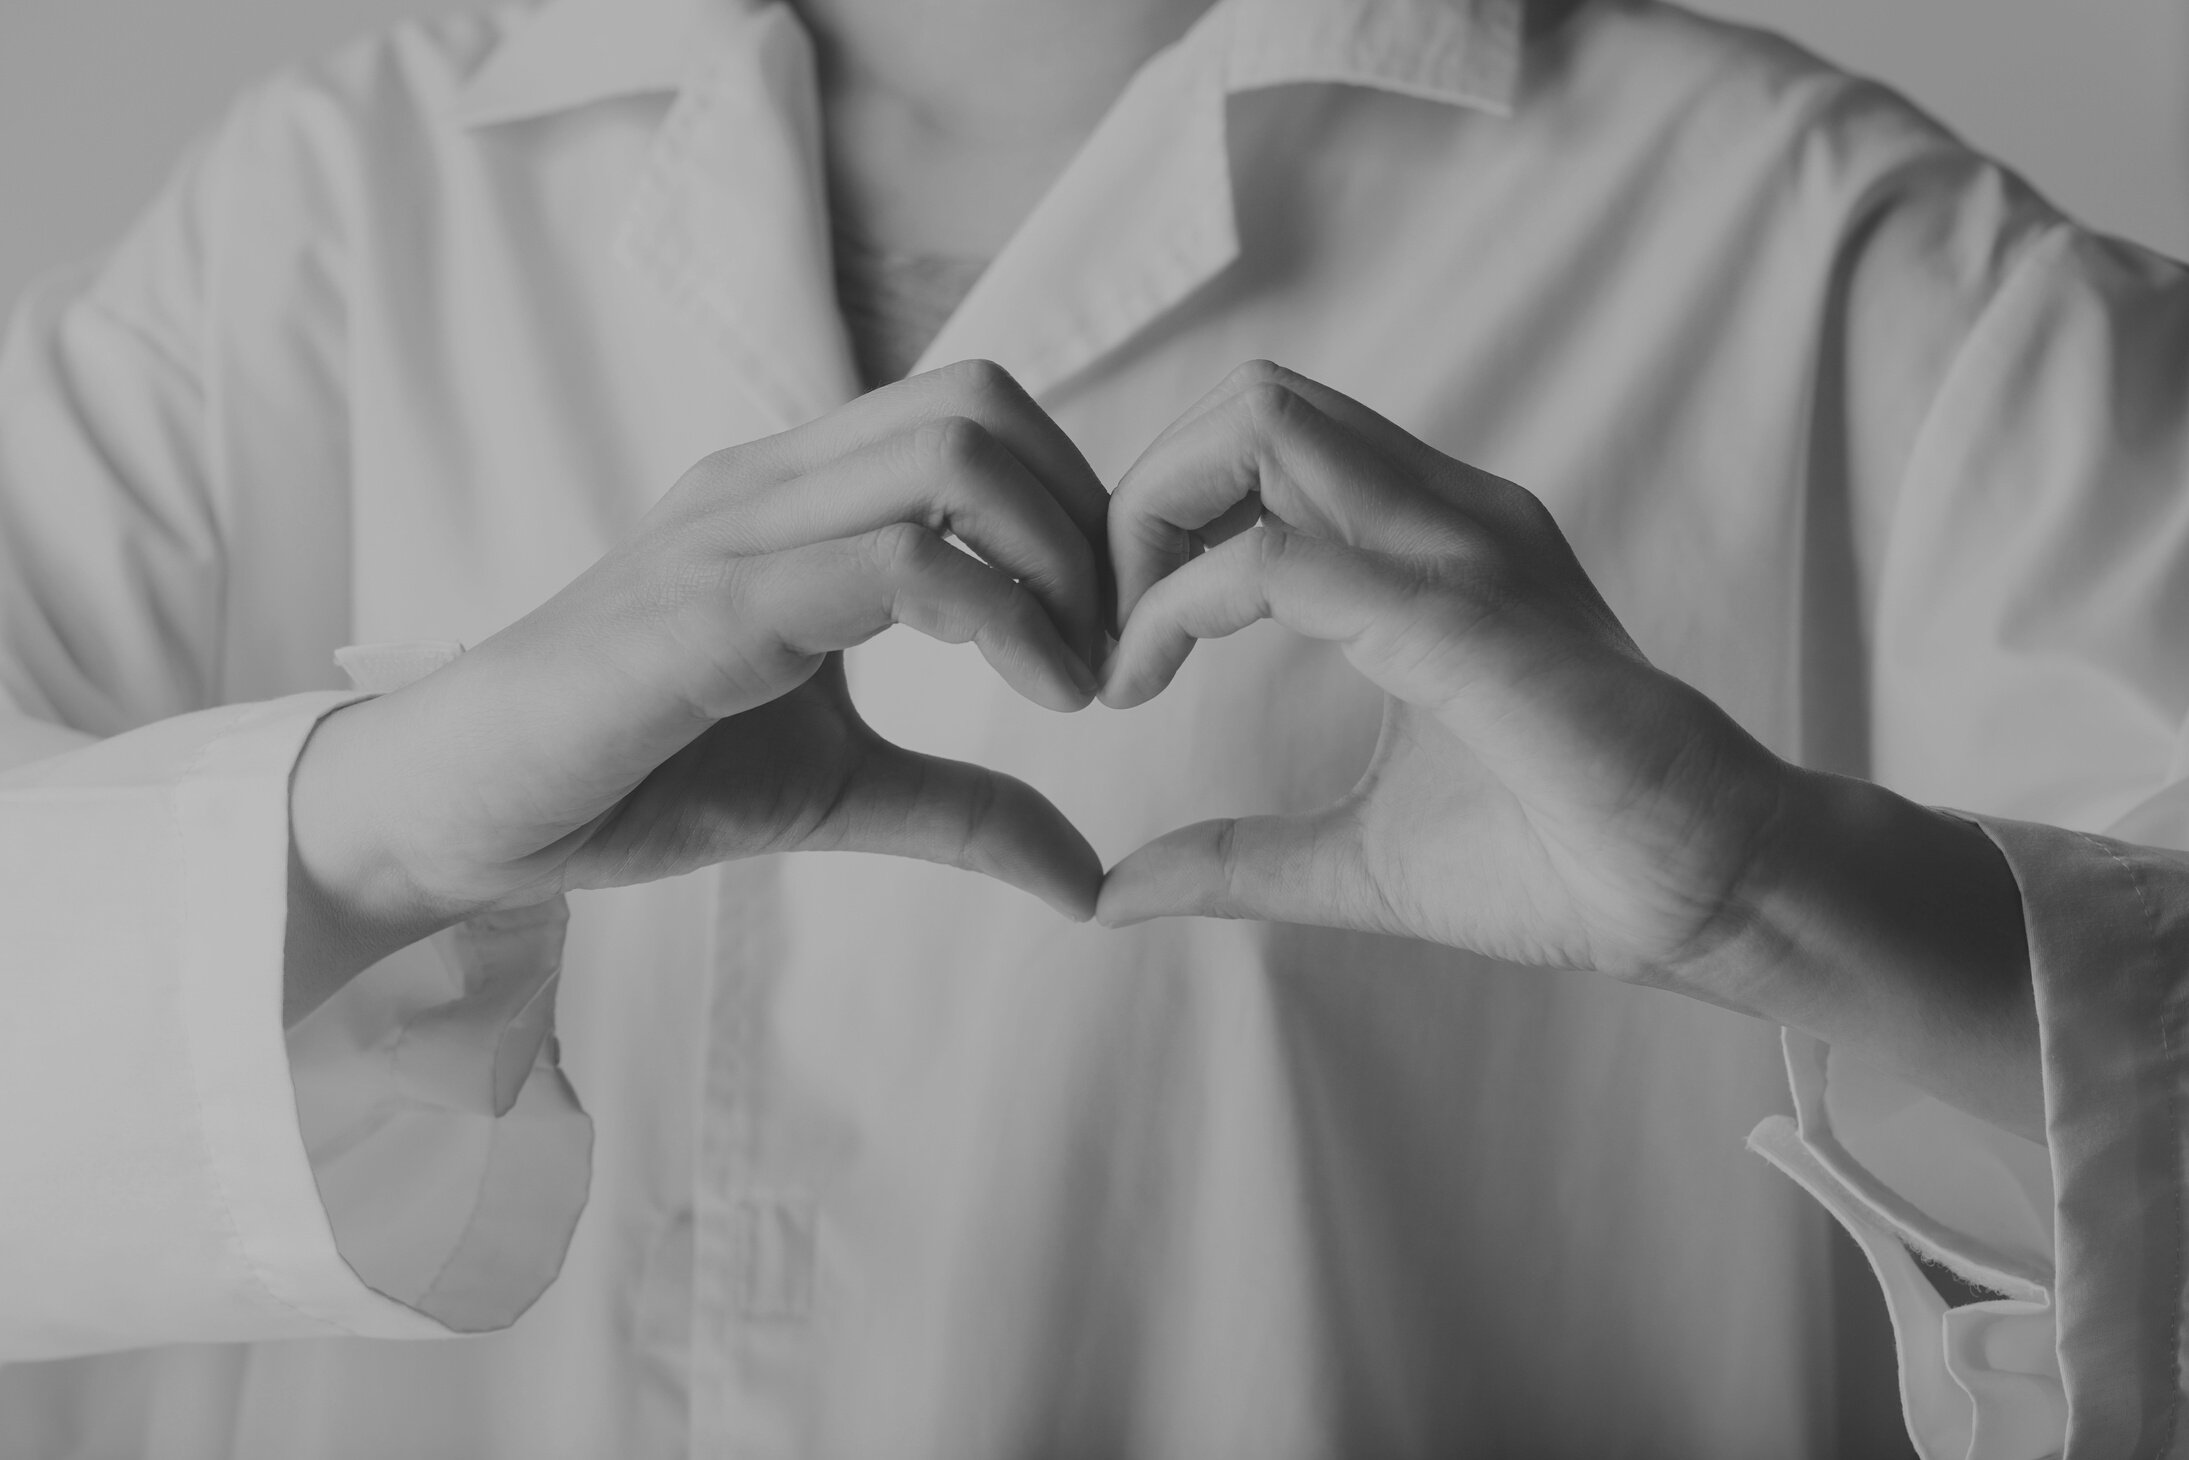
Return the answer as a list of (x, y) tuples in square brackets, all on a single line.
[(905, 804), (1281, 869)]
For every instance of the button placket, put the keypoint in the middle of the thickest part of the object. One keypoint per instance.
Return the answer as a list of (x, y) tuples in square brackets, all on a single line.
[(754, 1238)]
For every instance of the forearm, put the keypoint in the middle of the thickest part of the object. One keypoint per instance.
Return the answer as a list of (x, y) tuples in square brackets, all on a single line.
[(1894, 932)]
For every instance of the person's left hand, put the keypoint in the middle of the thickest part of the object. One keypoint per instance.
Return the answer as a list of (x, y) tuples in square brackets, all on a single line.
[(1540, 793)]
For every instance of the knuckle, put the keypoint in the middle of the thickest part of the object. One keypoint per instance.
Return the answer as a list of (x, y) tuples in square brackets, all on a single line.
[(1526, 507), (714, 502), (981, 380), (728, 460), (713, 474), (1228, 863), (1268, 405), (1258, 372), (901, 549), (952, 445)]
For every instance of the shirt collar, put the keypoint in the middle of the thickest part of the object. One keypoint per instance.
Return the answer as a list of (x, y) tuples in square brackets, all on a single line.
[(1466, 52), (570, 53)]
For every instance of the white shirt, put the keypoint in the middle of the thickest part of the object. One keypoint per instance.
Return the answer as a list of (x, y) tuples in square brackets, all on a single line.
[(1854, 432)]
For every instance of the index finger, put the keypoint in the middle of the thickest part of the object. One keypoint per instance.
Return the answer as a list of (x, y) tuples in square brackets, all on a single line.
[(981, 391), (1377, 430), (1267, 447)]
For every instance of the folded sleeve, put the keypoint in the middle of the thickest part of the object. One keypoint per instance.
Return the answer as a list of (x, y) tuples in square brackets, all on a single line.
[(178, 1167), (2027, 601), (451, 1153), (2083, 1236)]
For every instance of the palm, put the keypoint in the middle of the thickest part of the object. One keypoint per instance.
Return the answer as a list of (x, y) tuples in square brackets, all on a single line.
[(1428, 818), (1511, 852), (1540, 792)]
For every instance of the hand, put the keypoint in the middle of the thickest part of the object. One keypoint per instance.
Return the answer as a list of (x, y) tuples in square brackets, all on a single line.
[(1540, 793), (682, 702)]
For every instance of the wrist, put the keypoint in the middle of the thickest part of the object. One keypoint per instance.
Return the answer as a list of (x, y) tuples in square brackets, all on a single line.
[(352, 897), (1777, 844), (1890, 929), (1796, 855)]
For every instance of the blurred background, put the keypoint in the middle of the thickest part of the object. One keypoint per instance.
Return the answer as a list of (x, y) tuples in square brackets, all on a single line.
[(2089, 98)]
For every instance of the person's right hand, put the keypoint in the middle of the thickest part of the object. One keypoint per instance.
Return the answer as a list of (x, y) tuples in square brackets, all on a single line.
[(682, 702)]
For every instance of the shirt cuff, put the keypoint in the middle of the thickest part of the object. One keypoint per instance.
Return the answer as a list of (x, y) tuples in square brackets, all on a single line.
[(2083, 1235), (158, 1186), (452, 1155)]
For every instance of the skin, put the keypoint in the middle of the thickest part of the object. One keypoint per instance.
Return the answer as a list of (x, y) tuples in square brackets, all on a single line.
[(1541, 793), (591, 744), (682, 702)]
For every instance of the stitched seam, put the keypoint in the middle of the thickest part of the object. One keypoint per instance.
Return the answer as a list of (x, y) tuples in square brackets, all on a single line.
[(2174, 1113)]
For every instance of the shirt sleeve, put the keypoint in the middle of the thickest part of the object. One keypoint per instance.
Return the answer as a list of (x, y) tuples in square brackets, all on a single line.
[(409, 1162), (2081, 1237), (451, 1153), (2026, 663)]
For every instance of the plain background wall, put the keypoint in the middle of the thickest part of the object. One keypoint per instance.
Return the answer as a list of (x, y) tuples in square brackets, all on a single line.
[(2090, 98)]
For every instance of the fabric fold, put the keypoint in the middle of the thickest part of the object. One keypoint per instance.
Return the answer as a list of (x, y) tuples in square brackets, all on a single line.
[(453, 1156), (165, 1195), (2083, 1235)]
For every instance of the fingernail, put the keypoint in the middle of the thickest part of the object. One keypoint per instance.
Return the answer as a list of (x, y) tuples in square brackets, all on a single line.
[(1083, 678)]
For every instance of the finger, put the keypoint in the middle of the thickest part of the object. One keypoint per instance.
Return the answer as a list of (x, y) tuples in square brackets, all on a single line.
[(1319, 588), (1281, 869), (1229, 523), (1239, 377), (836, 594), (979, 390), (1394, 440), (1480, 494), (1512, 512), (1372, 426), (903, 804), (949, 475), (1265, 441)]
